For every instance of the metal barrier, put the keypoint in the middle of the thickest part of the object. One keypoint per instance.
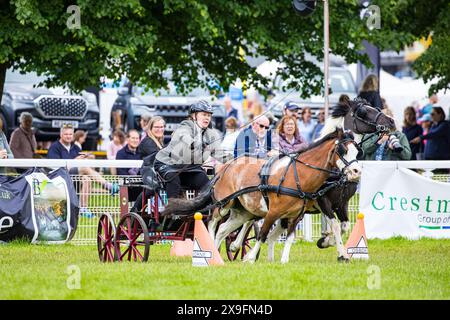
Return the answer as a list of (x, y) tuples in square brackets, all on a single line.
[(96, 200)]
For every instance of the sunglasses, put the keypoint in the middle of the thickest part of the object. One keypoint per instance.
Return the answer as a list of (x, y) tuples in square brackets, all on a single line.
[(263, 126)]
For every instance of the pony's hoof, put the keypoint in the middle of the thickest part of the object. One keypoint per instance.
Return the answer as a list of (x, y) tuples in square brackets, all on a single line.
[(233, 247), (343, 259), (321, 243)]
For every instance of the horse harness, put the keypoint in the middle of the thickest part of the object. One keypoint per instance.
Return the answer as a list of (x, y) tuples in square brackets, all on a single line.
[(264, 187)]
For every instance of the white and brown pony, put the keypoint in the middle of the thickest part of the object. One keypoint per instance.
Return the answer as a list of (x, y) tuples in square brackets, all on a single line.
[(237, 188), (357, 116)]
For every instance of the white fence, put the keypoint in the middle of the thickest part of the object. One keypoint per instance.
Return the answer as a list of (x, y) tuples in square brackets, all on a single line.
[(96, 200)]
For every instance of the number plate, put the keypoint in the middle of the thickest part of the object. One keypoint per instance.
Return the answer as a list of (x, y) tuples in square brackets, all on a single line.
[(61, 123)]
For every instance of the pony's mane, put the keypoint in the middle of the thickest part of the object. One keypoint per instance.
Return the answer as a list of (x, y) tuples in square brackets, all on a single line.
[(329, 136), (340, 110)]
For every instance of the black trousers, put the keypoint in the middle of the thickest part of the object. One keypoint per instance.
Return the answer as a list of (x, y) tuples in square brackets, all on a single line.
[(193, 178)]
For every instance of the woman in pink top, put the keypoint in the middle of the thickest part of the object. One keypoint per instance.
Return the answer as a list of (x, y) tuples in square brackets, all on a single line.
[(117, 143)]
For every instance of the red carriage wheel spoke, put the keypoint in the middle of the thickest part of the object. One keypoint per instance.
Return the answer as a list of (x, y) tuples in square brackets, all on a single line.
[(102, 239), (139, 254), (125, 232), (136, 237), (124, 253)]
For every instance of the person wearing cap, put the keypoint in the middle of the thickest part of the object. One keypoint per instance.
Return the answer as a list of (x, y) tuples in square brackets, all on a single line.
[(425, 122), (291, 109), (192, 143)]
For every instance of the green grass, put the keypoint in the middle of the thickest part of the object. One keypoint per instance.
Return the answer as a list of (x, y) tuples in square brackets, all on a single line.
[(409, 270)]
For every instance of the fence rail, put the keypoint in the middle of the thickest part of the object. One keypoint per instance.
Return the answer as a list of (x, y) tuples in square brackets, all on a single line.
[(95, 199)]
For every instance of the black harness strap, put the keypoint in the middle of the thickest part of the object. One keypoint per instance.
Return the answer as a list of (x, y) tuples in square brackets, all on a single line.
[(264, 174)]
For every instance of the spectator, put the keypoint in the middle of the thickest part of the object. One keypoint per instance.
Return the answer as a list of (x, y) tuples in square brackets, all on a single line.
[(143, 122), (117, 143), (79, 138), (256, 108), (369, 91), (231, 134), (129, 152), (291, 109), (319, 126), (154, 141), (148, 148), (425, 122), (306, 124), (392, 146), (23, 142), (432, 101), (231, 112), (5, 151), (65, 149), (255, 140), (438, 145), (412, 130), (288, 135)]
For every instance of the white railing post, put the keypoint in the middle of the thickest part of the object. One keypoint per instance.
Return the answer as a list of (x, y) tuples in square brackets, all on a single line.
[(308, 228)]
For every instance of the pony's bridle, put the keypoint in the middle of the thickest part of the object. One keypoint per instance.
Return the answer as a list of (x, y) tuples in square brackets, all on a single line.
[(339, 149), (361, 109)]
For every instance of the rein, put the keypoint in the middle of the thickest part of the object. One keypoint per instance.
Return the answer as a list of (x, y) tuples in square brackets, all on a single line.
[(264, 187)]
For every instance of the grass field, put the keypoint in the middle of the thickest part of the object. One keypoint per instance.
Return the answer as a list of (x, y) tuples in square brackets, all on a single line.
[(408, 270)]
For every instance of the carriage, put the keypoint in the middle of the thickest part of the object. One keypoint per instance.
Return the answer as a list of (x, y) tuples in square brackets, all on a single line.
[(131, 238)]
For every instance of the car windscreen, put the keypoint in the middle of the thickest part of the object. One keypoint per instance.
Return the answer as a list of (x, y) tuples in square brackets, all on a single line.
[(171, 91), (15, 77), (340, 81)]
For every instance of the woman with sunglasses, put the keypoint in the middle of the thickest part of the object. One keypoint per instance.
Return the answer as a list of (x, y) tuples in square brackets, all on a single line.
[(438, 137)]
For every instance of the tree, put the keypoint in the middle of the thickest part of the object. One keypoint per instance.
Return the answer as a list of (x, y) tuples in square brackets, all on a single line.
[(194, 39)]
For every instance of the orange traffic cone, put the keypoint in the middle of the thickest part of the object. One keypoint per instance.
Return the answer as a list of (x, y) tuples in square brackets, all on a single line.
[(357, 243), (182, 248), (204, 253)]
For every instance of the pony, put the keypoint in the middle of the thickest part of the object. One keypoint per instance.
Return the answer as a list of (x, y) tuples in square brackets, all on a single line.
[(290, 185), (359, 117)]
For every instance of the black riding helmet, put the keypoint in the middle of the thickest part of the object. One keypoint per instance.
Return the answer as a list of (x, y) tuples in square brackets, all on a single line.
[(200, 106)]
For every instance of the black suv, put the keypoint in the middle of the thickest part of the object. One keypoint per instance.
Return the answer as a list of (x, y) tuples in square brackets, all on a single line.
[(51, 108), (173, 108)]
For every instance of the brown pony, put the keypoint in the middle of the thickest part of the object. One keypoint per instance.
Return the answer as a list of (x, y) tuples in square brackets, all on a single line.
[(313, 167)]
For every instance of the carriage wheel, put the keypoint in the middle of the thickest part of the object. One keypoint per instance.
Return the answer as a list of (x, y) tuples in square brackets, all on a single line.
[(246, 245), (131, 241), (105, 238)]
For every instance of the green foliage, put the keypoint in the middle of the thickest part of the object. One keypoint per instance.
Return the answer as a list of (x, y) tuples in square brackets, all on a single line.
[(194, 39), (414, 19)]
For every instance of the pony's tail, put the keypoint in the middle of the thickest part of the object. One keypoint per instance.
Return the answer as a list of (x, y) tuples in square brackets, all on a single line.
[(183, 207)]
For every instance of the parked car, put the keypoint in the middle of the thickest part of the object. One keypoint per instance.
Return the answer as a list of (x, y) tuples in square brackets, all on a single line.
[(51, 108), (341, 82), (133, 101)]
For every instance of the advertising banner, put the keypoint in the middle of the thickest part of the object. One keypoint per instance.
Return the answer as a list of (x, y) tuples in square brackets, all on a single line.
[(401, 202)]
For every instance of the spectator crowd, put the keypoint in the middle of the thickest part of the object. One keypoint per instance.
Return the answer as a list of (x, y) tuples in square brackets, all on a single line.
[(424, 135)]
